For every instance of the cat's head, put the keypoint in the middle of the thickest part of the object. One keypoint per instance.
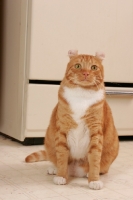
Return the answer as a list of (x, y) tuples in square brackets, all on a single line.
[(85, 70)]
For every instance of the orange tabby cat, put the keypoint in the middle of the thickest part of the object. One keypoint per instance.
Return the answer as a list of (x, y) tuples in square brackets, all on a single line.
[(81, 139)]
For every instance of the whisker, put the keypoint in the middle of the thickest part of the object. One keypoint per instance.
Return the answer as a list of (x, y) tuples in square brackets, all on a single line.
[(98, 77), (73, 79), (97, 81), (96, 84)]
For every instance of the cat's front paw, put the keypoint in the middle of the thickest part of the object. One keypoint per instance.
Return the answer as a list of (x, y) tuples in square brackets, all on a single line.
[(52, 171), (87, 175), (96, 185), (58, 180)]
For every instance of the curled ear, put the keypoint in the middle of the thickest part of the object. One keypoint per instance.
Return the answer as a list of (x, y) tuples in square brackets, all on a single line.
[(100, 55), (72, 53)]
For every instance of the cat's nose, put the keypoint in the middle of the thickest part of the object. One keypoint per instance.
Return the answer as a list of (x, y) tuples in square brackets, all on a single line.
[(85, 74)]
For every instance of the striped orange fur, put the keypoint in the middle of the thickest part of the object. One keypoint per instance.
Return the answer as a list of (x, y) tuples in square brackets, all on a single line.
[(81, 139)]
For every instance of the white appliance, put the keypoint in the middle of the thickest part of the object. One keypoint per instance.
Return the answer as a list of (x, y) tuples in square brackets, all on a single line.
[(37, 37)]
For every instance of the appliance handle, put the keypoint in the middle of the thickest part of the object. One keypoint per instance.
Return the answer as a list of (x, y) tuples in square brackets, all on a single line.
[(119, 92)]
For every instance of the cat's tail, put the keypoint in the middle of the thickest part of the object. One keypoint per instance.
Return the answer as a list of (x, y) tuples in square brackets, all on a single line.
[(36, 157)]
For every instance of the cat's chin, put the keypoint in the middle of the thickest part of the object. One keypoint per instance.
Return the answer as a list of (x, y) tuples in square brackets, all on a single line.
[(86, 84), (82, 83)]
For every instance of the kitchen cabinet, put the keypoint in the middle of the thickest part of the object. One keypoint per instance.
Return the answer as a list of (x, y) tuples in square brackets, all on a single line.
[(37, 36)]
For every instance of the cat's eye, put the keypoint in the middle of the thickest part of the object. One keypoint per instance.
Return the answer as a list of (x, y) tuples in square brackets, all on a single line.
[(93, 67), (77, 66)]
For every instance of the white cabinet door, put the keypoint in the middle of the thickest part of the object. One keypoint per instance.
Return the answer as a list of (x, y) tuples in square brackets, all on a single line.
[(86, 25), (41, 101), (12, 67), (122, 109)]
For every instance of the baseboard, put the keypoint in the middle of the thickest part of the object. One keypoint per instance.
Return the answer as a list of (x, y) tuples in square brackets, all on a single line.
[(41, 140)]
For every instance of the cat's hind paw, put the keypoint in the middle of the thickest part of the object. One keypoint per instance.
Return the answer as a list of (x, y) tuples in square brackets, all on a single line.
[(51, 171), (96, 185), (58, 180)]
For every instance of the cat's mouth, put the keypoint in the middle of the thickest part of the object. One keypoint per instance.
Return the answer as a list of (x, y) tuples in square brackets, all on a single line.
[(87, 82), (85, 79), (84, 82)]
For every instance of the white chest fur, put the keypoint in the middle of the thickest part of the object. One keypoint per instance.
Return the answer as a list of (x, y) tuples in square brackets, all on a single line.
[(80, 100), (78, 141)]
